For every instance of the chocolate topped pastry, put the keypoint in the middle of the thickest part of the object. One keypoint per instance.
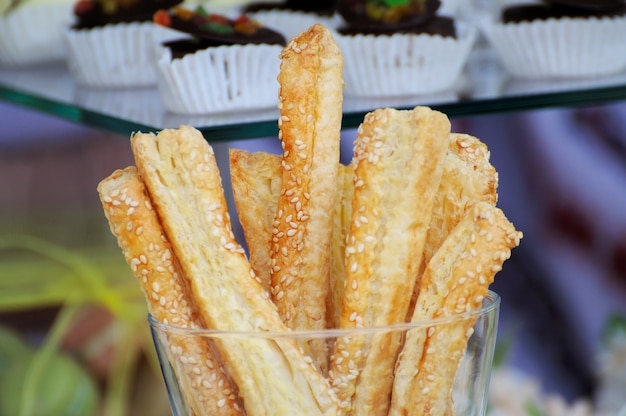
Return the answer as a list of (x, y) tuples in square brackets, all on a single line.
[(320, 7), (558, 9), (94, 13), (380, 17), (401, 48), (210, 30), (592, 5)]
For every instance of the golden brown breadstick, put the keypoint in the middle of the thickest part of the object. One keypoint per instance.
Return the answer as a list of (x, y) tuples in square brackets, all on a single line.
[(397, 162), (133, 221), (256, 183), (468, 177), (310, 103), (456, 280), (184, 183)]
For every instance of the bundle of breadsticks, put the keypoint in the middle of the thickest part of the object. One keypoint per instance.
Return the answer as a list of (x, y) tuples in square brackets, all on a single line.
[(408, 231)]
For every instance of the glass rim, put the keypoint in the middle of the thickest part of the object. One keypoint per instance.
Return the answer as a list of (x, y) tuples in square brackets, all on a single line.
[(491, 301)]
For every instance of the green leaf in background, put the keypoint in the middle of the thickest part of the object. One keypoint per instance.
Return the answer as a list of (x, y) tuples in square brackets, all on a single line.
[(393, 3), (64, 390), (533, 409), (615, 326), (501, 352), (63, 387), (11, 349), (44, 381)]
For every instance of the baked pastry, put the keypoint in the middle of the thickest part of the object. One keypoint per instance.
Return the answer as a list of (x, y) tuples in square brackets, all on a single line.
[(292, 17), (394, 191), (256, 182), (111, 42), (207, 388), (215, 63), (310, 104), (196, 221), (455, 281), (20, 45), (560, 38), (401, 50), (371, 17)]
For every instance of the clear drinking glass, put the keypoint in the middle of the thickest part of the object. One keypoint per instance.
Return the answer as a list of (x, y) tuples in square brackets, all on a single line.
[(469, 385)]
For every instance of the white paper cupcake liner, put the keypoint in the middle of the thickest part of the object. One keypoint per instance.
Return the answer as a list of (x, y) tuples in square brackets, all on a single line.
[(291, 23), (119, 55), (402, 65), (34, 34), (221, 79), (560, 47)]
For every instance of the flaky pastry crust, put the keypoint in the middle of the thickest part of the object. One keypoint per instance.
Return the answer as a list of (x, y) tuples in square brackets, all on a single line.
[(397, 169), (468, 177), (310, 104), (133, 221), (180, 172), (456, 280), (256, 182)]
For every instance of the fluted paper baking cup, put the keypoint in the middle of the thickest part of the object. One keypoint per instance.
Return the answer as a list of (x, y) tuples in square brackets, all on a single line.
[(116, 55), (567, 47), (403, 64), (220, 79), (34, 34), (291, 23)]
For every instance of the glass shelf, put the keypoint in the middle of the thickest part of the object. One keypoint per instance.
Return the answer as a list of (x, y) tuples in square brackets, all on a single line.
[(483, 88)]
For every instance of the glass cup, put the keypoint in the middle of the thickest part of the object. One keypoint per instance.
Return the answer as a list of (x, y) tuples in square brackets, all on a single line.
[(466, 371)]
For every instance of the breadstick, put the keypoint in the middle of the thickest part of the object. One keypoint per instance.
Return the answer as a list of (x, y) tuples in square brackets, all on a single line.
[(184, 182), (456, 280), (256, 183), (468, 177), (397, 162), (310, 103), (206, 388)]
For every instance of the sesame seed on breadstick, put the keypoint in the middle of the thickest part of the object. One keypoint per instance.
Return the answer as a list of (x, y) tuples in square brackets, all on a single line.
[(133, 221), (179, 169), (397, 168), (456, 280)]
